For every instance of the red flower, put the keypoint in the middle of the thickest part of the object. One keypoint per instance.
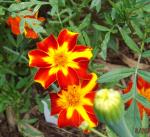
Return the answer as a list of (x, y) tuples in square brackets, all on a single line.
[(14, 23), (60, 60), (143, 88), (75, 104)]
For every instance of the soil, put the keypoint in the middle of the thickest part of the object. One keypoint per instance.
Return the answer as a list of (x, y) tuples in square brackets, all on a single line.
[(49, 130)]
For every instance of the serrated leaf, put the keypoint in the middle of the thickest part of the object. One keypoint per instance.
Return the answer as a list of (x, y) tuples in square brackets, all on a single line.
[(146, 54), (132, 117), (128, 40), (143, 100), (104, 46), (144, 74), (22, 25), (100, 27), (126, 97), (116, 75)]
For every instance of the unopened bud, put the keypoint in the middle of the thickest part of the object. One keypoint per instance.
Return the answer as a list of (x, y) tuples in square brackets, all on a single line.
[(108, 105)]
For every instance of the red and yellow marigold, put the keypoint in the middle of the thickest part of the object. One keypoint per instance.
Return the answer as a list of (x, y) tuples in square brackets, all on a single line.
[(143, 88), (74, 105), (14, 23), (60, 59)]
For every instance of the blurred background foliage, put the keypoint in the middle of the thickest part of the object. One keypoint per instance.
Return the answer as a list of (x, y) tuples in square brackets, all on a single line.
[(117, 30)]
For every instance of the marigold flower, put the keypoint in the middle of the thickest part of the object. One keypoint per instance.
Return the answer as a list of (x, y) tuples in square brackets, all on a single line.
[(143, 88), (60, 60), (75, 104), (14, 23)]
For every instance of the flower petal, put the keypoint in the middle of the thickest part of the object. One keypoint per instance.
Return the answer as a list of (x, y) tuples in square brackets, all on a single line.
[(54, 106), (90, 85), (82, 71), (70, 79), (14, 23), (68, 38), (91, 119), (38, 58), (44, 78), (81, 53), (29, 33), (48, 43), (75, 120)]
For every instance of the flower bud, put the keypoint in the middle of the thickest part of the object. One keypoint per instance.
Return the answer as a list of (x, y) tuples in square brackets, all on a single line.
[(109, 108), (108, 105)]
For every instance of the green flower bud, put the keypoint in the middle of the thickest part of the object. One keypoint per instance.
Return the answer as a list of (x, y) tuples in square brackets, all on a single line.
[(108, 105), (109, 108)]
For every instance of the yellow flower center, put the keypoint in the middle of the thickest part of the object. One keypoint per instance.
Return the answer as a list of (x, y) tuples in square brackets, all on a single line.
[(60, 59), (70, 98), (73, 96)]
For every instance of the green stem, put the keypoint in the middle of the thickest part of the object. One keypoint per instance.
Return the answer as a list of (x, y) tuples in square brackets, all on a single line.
[(59, 18), (120, 128), (97, 132)]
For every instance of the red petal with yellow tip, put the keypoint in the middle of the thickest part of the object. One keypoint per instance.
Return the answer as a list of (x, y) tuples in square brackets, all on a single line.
[(43, 77), (47, 43), (68, 37), (74, 121), (143, 88), (55, 108), (79, 48), (36, 58), (70, 79), (29, 33)]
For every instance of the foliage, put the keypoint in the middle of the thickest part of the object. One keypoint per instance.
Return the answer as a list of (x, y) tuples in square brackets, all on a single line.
[(105, 25)]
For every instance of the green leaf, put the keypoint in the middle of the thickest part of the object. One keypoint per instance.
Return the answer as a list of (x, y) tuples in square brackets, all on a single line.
[(100, 27), (145, 125), (86, 38), (22, 82), (137, 29), (20, 6), (54, 4), (2, 11), (28, 130), (144, 74), (115, 75), (128, 40), (126, 97), (132, 117), (147, 7), (96, 4), (35, 25), (86, 22), (39, 103), (104, 46), (146, 54), (143, 100), (22, 25)]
